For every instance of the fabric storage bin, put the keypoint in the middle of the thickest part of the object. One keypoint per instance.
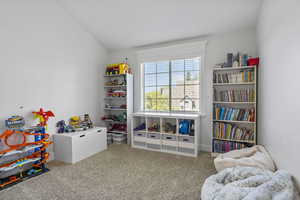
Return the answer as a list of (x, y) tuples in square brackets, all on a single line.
[(186, 150), (186, 142), (153, 138), (140, 144), (153, 146), (170, 140), (140, 137), (169, 148)]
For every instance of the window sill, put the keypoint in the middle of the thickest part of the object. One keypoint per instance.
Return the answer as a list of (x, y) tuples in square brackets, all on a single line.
[(169, 114)]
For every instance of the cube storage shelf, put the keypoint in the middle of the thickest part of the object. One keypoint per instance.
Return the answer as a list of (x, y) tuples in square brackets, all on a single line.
[(161, 132)]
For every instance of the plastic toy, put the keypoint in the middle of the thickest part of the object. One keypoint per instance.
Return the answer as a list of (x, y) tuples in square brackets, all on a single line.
[(169, 128), (87, 122), (61, 125), (140, 127), (118, 127), (154, 127), (119, 68), (116, 93), (75, 121), (15, 122), (43, 117), (184, 127)]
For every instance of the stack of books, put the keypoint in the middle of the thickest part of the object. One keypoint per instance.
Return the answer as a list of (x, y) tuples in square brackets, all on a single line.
[(234, 114), (232, 132), (243, 76), (235, 95), (225, 146)]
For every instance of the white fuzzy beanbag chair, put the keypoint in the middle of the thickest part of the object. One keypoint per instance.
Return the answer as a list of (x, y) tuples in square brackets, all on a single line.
[(256, 156), (249, 183)]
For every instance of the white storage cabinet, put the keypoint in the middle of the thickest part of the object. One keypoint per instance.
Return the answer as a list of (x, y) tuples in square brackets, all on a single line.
[(164, 140), (76, 146)]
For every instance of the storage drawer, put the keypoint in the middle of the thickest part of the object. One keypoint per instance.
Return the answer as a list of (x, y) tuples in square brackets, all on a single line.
[(169, 148), (154, 136), (139, 144), (186, 139), (139, 137), (170, 140), (153, 146), (186, 150)]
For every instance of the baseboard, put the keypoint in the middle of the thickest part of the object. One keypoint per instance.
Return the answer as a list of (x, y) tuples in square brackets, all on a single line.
[(204, 147)]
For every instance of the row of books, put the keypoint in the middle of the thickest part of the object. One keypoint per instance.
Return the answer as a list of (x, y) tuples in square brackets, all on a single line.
[(225, 146), (242, 76), (232, 132), (234, 95), (234, 114)]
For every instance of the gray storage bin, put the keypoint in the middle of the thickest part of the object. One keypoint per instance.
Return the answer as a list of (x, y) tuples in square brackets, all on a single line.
[(169, 148), (187, 139), (186, 150), (139, 134), (169, 137), (140, 144), (154, 136), (153, 146)]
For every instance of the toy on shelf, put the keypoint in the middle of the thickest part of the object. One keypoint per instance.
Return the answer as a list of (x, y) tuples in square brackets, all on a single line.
[(115, 82), (62, 127), (154, 127), (170, 128), (118, 127), (115, 118), (116, 93), (15, 122), (186, 127), (87, 122), (119, 68), (141, 127)]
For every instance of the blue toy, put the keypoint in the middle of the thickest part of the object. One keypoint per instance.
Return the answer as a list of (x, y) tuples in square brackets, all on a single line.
[(184, 127), (140, 127)]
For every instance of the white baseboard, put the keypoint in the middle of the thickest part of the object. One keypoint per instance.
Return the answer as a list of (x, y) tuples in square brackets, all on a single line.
[(204, 147)]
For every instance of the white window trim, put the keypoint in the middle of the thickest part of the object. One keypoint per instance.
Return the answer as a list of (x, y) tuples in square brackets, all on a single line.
[(172, 52)]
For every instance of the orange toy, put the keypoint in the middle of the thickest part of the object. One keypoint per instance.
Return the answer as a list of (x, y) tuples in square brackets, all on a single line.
[(43, 116)]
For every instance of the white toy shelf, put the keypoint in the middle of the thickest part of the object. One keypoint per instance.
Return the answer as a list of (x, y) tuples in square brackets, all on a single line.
[(164, 138)]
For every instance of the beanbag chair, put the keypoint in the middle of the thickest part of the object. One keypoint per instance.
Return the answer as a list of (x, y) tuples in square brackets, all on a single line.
[(256, 156), (249, 183)]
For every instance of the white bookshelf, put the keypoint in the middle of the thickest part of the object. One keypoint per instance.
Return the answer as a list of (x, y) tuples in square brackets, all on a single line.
[(234, 85), (162, 141), (117, 101)]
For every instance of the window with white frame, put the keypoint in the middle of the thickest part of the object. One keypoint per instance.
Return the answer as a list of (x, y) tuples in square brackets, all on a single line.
[(172, 85)]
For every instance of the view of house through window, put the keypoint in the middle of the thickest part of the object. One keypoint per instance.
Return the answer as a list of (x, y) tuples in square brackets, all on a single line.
[(172, 85)]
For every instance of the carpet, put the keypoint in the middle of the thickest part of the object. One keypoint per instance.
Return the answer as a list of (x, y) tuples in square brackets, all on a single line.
[(119, 173)]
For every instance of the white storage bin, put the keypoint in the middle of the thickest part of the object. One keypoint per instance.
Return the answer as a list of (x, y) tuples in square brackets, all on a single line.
[(186, 142), (153, 138), (76, 146), (170, 140)]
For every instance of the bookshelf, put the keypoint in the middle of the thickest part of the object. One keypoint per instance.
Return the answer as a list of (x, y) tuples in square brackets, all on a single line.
[(118, 107), (234, 119)]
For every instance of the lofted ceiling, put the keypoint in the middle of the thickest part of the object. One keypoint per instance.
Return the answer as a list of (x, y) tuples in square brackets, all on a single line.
[(121, 24)]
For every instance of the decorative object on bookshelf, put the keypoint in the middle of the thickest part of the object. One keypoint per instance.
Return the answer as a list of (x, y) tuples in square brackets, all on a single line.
[(234, 106)]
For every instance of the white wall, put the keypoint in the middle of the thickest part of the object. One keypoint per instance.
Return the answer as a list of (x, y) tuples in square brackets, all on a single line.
[(279, 99), (217, 47), (47, 60)]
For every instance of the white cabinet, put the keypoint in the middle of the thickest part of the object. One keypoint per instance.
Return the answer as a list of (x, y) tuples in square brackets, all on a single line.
[(76, 146), (162, 132)]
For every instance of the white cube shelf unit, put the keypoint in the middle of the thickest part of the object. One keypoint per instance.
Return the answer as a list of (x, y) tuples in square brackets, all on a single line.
[(161, 132)]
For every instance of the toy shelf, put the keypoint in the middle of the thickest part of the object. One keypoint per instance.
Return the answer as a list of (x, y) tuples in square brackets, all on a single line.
[(166, 132), (118, 104), (234, 108)]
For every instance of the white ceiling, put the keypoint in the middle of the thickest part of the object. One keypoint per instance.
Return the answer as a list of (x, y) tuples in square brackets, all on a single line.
[(131, 23)]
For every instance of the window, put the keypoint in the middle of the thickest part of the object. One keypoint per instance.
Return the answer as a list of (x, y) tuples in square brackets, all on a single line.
[(172, 85)]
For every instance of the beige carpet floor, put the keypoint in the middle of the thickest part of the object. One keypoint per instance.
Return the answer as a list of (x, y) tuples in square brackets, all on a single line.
[(119, 173)]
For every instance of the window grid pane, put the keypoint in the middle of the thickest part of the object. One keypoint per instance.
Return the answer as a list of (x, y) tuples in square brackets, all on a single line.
[(176, 85)]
